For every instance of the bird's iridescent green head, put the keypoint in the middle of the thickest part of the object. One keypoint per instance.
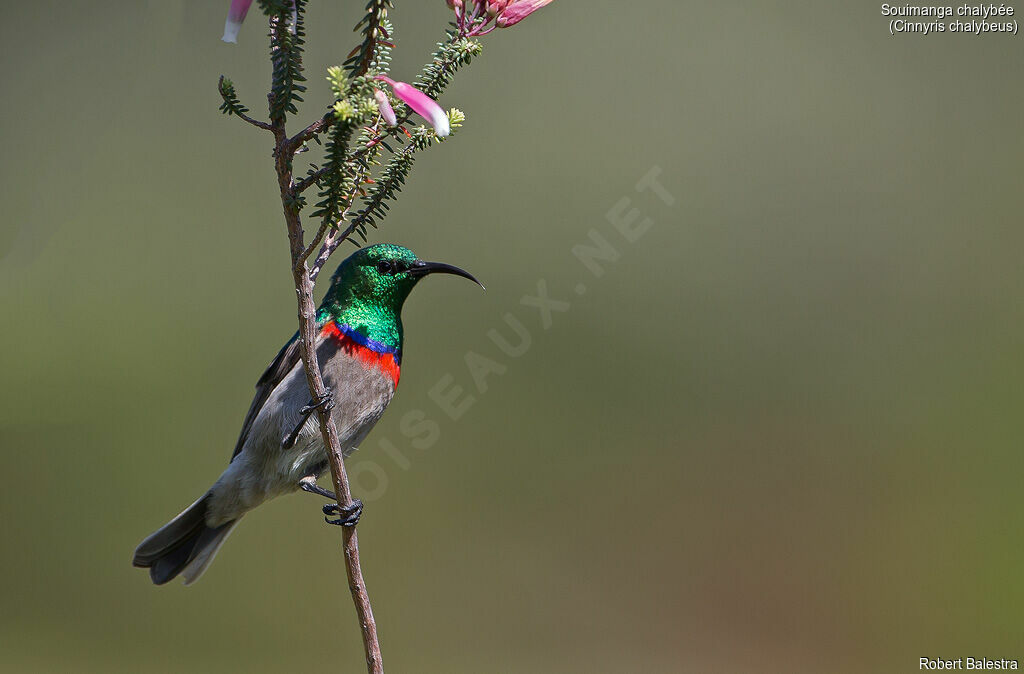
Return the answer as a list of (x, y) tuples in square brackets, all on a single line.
[(367, 275), (369, 288)]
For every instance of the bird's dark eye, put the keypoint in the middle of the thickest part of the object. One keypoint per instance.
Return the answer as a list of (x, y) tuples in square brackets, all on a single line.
[(392, 266)]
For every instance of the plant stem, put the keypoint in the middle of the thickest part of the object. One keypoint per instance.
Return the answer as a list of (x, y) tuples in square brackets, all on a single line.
[(284, 154)]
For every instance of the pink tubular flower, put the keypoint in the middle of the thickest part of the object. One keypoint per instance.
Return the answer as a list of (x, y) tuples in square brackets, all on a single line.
[(475, 18), (423, 105), (236, 15), (517, 10), (386, 111)]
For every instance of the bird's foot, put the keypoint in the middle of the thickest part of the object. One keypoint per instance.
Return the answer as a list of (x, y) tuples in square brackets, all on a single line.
[(347, 516), (326, 402)]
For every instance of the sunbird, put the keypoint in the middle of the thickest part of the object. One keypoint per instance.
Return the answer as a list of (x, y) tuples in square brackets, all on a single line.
[(280, 449)]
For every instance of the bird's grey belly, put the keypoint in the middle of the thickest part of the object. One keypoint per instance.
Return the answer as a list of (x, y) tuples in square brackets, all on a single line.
[(263, 469)]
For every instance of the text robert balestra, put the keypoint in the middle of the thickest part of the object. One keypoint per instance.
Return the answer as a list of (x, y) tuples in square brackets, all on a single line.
[(974, 664)]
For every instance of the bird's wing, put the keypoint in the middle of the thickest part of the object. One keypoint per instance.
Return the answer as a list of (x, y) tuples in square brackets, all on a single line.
[(286, 359)]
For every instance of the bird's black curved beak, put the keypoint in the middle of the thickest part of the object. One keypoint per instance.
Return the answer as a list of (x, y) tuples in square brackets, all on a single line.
[(419, 268)]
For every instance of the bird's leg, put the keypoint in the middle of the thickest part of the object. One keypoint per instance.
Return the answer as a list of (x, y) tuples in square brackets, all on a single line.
[(310, 485), (347, 516), (327, 402)]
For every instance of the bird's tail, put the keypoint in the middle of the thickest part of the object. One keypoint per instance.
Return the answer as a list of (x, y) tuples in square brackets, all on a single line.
[(185, 545)]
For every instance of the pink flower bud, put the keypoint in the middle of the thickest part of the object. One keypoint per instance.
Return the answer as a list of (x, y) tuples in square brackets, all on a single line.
[(384, 105), (236, 14), (423, 105), (517, 10), (496, 7)]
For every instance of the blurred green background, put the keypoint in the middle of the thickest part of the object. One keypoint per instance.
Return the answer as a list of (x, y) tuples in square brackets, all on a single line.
[(782, 433)]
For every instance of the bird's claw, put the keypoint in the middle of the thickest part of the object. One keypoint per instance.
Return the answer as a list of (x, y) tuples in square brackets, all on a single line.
[(326, 402), (347, 516)]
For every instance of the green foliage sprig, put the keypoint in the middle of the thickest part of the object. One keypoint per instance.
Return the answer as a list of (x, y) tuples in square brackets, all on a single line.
[(374, 32), (449, 57), (393, 176), (287, 40), (231, 104), (336, 181)]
